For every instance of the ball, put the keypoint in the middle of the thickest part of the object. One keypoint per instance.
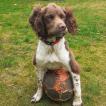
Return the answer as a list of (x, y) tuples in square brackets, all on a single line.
[(58, 85)]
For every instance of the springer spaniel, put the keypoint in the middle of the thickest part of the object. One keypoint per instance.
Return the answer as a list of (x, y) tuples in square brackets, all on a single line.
[(51, 24)]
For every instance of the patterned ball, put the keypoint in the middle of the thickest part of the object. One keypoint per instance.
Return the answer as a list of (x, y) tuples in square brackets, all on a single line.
[(58, 85)]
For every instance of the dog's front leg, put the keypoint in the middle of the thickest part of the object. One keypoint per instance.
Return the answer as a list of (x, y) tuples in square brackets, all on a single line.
[(75, 72), (76, 82), (38, 95)]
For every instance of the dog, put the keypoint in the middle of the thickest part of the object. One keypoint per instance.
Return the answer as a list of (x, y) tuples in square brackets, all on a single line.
[(51, 23)]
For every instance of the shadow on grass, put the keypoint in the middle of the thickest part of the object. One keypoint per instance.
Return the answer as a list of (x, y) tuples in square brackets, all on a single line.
[(46, 101)]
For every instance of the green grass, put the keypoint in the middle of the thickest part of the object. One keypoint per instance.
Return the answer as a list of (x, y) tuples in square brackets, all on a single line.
[(18, 43)]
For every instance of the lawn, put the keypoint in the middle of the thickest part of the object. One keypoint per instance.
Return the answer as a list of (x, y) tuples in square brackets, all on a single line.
[(18, 43)]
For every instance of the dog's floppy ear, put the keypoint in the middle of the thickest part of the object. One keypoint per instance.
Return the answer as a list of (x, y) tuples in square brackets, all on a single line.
[(70, 20), (36, 21), (33, 16)]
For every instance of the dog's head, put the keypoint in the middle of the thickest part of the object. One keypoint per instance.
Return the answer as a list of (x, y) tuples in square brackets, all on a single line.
[(52, 20)]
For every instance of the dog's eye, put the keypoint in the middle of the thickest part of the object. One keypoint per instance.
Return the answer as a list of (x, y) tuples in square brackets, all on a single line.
[(51, 16), (62, 16)]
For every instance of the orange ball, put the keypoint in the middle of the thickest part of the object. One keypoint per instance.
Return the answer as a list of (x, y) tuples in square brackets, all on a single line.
[(58, 85)]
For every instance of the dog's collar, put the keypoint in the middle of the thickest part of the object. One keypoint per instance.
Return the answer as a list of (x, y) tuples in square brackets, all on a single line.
[(52, 41)]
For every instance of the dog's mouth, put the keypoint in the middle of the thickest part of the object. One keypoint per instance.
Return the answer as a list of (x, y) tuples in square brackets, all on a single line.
[(55, 37), (58, 34)]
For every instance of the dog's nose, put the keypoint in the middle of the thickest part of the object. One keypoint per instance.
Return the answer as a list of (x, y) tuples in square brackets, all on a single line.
[(62, 27)]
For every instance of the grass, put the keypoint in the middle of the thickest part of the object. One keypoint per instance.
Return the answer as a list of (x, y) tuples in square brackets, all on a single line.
[(18, 43)]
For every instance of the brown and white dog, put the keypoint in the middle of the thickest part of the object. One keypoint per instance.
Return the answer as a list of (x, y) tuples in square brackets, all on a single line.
[(51, 24)]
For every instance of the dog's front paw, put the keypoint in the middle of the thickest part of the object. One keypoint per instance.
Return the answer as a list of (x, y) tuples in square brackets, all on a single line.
[(37, 97), (77, 102)]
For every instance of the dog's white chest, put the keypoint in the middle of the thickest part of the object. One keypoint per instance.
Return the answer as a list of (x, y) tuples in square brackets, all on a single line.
[(52, 61), (52, 57)]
